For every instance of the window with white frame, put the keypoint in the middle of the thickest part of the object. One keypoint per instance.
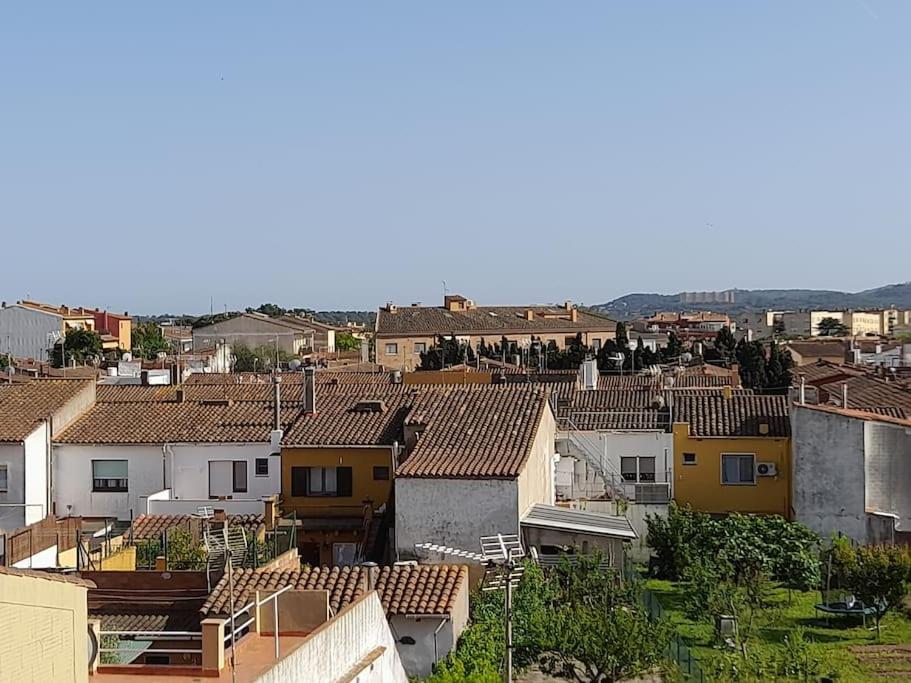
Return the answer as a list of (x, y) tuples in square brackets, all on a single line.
[(392, 349), (738, 469), (420, 347), (109, 476)]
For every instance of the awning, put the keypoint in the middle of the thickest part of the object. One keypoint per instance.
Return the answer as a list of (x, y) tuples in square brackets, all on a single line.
[(541, 516)]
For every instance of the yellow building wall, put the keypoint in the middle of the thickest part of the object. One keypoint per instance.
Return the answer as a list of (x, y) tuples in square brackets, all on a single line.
[(700, 485), (361, 460), (125, 334), (123, 560), (43, 630)]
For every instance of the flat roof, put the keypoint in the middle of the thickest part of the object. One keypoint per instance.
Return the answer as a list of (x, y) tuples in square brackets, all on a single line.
[(579, 521)]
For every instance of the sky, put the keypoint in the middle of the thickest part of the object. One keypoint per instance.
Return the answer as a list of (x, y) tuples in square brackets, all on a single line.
[(177, 156)]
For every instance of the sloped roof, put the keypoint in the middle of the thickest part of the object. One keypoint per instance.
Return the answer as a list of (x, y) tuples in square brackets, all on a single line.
[(491, 320), (47, 576), (187, 422), (713, 415), (24, 405), (147, 527), (403, 589), (868, 393), (580, 521), (341, 420), (474, 431)]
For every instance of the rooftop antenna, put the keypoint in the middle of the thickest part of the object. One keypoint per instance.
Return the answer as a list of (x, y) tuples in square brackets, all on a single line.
[(500, 555), (445, 290)]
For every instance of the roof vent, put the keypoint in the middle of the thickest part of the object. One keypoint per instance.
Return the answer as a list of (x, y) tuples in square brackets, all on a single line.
[(763, 427), (370, 407), (216, 402)]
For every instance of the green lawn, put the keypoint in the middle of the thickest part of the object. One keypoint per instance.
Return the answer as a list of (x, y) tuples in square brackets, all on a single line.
[(830, 644)]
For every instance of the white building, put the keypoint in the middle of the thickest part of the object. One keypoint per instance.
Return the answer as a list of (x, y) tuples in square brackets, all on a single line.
[(851, 473), (476, 468), (27, 332), (31, 413), (110, 461)]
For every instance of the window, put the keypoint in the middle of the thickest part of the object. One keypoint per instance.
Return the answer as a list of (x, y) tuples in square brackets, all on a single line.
[(596, 344), (240, 476), (4, 478), (738, 468), (321, 481), (380, 473), (109, 475), (637, 469), (689, 458), (392, 349), (420, 347), (262, 467), (628, 469), (569, 341)]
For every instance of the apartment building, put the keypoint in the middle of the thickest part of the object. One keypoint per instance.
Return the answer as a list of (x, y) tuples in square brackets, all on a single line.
[(403, 333)]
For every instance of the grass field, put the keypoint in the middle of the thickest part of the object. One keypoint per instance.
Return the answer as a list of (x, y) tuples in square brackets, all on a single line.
[(844, 649)]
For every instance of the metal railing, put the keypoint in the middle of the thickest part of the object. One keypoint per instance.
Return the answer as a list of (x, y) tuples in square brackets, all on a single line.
[(677, 650), (236, 630), (152, 637)]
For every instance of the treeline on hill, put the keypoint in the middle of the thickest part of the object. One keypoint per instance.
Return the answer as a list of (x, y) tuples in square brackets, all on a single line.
[(761, 368), (340, 318)]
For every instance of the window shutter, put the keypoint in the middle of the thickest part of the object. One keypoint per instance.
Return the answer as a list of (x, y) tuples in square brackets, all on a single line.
[(240, 476), (343, 482), (299, 479)]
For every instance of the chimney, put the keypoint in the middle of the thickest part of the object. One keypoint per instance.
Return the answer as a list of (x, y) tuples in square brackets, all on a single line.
[(568, 305), (844, 395), (179, 396), (727, 392), (371, 569), (803, 389), (574, 315), (529, 314), (277, 402), (310, 390)]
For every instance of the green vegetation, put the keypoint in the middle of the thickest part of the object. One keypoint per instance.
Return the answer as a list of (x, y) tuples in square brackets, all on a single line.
[(79, 346), (576, 622), (345, 341), (788, 641), (831, 327), (446, 352), (259, 359), (148, 340)]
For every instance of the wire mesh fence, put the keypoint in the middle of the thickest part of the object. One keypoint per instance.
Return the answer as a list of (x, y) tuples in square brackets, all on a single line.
[(677, 650)]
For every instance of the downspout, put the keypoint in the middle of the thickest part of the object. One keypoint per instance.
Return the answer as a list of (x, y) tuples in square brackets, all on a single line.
[(49, 464)]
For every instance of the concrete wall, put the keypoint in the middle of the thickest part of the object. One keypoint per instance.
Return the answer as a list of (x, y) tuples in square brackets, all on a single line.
[(190, 468), (43, 630), (251, 332), (536, 481), (888, 469), (24, 331), (43, 559), (356, 642), (828, 472), (453, 512)]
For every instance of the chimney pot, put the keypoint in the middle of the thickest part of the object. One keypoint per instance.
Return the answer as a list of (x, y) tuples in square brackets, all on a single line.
[(310, 390)]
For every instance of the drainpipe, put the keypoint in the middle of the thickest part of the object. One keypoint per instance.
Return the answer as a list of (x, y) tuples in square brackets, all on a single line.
[(277, 402), (803, 389), (844, 395)]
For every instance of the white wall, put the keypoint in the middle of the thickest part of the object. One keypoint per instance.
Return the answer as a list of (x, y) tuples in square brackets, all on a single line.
[(454, 512), (888, 468), (419, 659), (12, 455), (73, 479), (191, 468), (536, 480), (24, 331), (342, 644), (36, 474), (43, 559)]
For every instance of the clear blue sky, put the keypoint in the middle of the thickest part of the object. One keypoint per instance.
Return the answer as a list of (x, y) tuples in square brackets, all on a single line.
[(338, 155)]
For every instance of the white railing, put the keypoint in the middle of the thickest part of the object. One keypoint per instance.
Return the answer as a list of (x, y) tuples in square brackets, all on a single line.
[(151, 636), (234, 629)]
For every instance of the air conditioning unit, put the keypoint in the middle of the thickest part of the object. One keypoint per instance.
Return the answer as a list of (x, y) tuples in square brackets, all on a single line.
[(767, 469)]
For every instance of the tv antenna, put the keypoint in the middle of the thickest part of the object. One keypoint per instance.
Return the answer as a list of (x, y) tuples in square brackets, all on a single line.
[(500, 555)]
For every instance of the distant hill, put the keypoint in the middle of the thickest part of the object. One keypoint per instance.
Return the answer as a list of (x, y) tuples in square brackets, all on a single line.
[(638, 305)]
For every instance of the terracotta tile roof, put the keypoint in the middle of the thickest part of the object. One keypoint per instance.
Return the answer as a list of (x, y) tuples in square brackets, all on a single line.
[(24, 405), (138, 619), (342, 419), (474, 431), (827, 349), (153, 526), (822, 371), (188, 422), (47, 576), (323, 376), (404, 589), (867, 393), (494, 321), (713, 415), (867, 415)]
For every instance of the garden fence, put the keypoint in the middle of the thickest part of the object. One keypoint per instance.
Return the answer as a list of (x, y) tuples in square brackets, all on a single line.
[(677, 650)]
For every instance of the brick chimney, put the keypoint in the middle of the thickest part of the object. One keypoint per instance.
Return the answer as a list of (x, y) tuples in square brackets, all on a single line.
[(529, 315), (574, 315)]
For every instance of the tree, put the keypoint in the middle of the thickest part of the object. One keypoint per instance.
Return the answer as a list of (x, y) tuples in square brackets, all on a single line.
[(752, 360), (446, 352), (149, 341), (621, 337), (778, 370), (877, 576), (345, 341), (673, 350), (725, 345), (272, 310), (259, 359), (831, 327), (78, 345), (184, 552)]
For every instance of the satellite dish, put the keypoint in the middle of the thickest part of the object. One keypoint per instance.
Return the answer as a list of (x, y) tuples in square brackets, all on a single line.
[(294, 364), (687, 357)]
